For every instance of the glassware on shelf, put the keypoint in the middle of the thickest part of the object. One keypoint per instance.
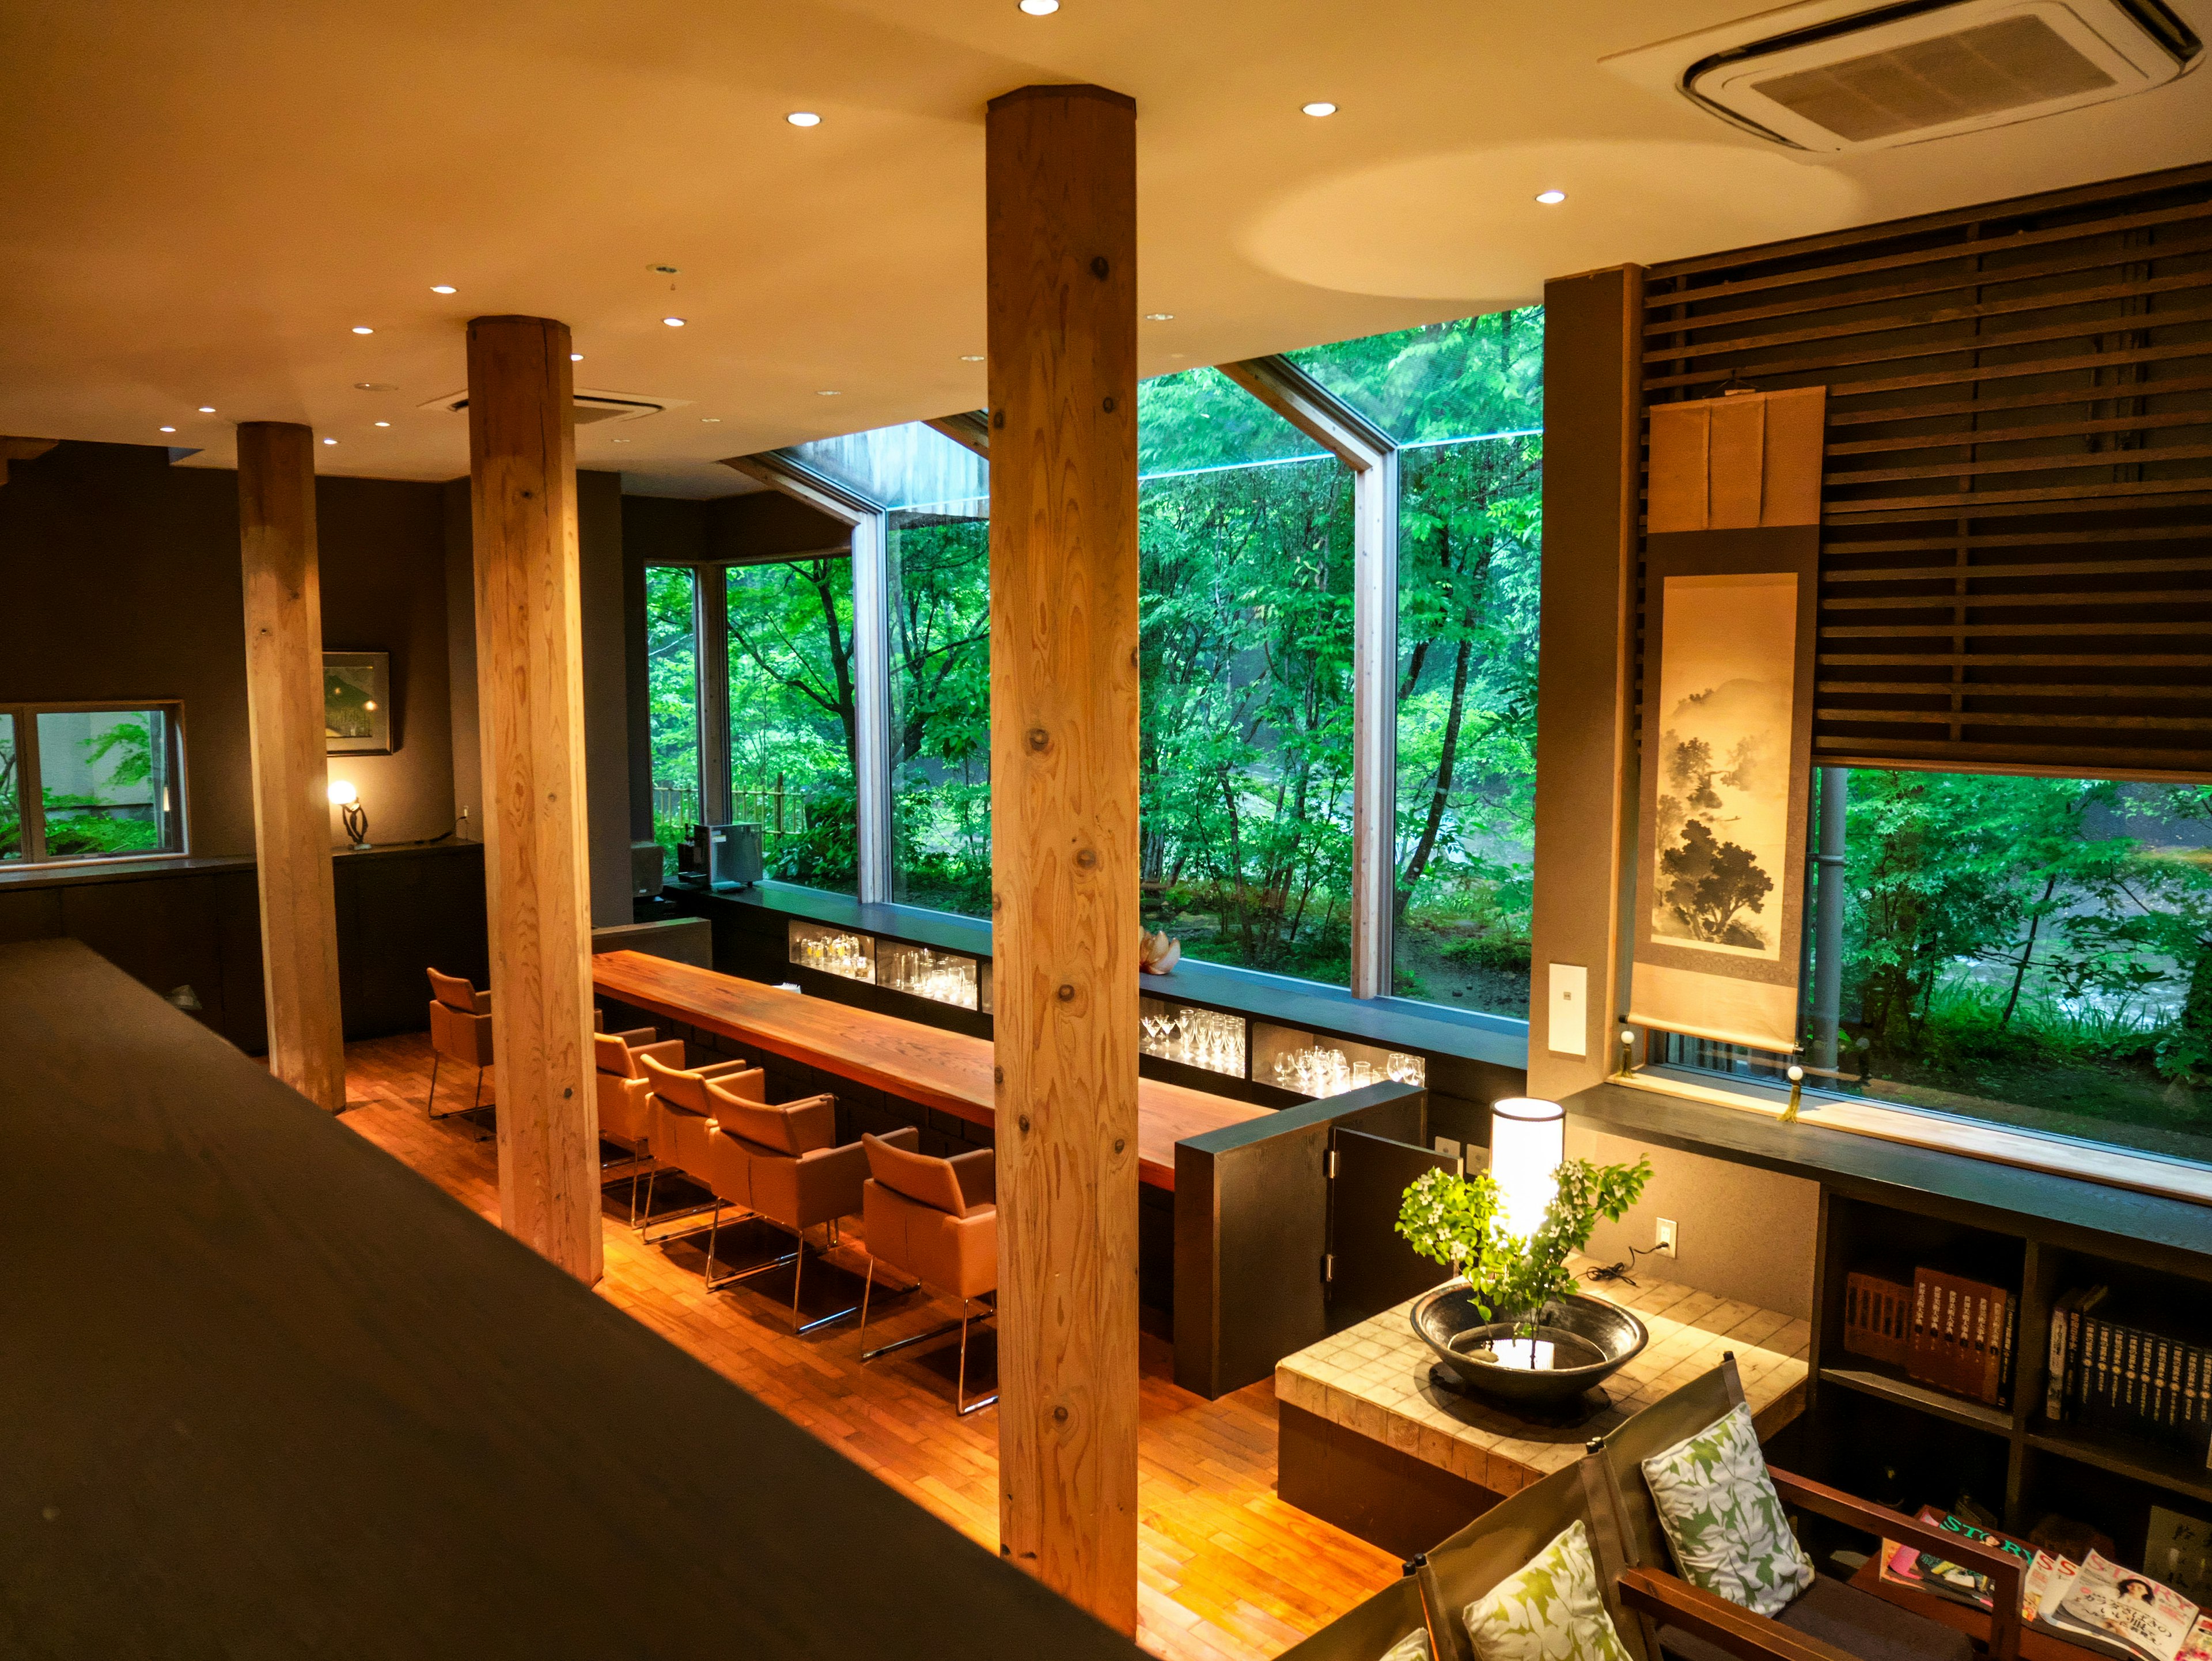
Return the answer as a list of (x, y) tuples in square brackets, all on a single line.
[(833, 952), (940, 976), (1204, 1038), (1307, 1064)]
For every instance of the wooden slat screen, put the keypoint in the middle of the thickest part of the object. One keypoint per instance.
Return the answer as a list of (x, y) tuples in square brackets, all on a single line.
[(2016, 505)]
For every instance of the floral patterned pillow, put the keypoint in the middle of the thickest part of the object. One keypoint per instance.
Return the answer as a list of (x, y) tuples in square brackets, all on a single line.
[(1550, 1611), (1413, 1646), (1723, 1519)]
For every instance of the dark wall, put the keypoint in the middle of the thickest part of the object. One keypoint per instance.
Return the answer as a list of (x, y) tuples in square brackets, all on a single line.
[(123, 583)]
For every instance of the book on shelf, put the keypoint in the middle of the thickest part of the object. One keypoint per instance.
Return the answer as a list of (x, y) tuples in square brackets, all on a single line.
[(1877, 1319), (1962, 1336), (2123, 1375)]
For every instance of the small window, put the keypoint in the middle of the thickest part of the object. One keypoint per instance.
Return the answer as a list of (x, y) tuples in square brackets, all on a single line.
[(91, 782)]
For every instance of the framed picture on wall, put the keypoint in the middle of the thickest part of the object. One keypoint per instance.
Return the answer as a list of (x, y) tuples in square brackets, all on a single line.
[(357, 704)]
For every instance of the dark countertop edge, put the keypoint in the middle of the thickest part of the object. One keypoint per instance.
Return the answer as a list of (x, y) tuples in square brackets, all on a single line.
[(45, 875), (2068, 1211), (1497, 1040)]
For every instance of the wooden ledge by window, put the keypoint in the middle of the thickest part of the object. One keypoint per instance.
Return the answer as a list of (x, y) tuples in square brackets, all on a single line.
[(2115, 1167)]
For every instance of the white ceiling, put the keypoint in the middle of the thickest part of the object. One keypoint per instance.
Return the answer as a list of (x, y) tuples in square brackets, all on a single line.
[(198, 202)]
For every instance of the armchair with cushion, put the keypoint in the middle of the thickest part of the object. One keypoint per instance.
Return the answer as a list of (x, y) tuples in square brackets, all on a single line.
[(783, 1165), (1692, 1488), (460, 1031), (1542, 1577), (1391, 1626), (681, 1123), (936, 1220)]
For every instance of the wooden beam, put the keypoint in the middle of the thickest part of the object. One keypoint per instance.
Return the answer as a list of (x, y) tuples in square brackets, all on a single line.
[(1060, 186), (970, 430), (1315, 411), (522, 462), (291, 798)]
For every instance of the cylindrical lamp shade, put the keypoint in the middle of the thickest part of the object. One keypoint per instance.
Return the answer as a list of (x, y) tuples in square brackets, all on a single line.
[(1528, 1144)]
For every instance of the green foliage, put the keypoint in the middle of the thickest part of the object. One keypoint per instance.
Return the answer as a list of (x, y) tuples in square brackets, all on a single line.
[(1457, 1221), (2039, 942)]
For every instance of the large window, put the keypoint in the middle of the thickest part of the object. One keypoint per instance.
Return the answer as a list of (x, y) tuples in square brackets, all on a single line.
[(792, 713), (90, 783), (672, 693), (2034, 951), (1464, 401), (940, 736), (1244, 579)]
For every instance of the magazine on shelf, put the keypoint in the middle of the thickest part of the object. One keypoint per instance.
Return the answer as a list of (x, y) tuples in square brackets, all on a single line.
[(1929, 1572), (2049, 1583), (2198, 1646), (2110, 1601)]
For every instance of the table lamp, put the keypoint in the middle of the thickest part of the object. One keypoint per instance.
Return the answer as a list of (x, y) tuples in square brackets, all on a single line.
[(347, 801), (1528, 1144)]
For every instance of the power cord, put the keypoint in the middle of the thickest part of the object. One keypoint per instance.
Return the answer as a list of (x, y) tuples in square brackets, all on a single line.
[(1622, 1272)]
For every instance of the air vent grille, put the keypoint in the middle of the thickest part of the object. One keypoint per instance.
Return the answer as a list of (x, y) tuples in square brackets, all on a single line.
[(2008, 64)]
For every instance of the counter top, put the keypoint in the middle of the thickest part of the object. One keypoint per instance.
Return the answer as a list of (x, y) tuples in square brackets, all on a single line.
[(1373, 1379)]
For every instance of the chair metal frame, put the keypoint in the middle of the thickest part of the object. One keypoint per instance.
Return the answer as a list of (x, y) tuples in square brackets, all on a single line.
[(962, 1406)]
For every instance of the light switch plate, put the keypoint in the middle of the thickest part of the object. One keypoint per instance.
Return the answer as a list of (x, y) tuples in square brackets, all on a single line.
[(1569, 1025)]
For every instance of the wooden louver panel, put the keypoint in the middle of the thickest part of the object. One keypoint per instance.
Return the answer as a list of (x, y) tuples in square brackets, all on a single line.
[(2016, 500)]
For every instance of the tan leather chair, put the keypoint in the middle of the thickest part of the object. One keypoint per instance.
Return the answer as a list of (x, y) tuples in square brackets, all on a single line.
[(783, 1165), (680, 1122), (460, 1031), (937, 1220), (626, 1096)]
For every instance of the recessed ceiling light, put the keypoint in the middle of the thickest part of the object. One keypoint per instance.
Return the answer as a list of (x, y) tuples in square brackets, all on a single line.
[(1551, 199), (710, 420), (575, 357), (804, 118), (168, 429), (673, 322), (443, 288), (207, 409), (1319, 107), (329, 441), (971, 357), (383, 424), (828, 391), (374, 386), (622, 441), (363, 328), (1159, 317), (1040, 8)]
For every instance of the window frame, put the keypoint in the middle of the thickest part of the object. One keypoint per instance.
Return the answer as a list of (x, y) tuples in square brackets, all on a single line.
[(30, 789)]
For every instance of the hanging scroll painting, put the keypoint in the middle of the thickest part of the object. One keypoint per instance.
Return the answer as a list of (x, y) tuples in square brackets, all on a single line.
[(1730, 605)]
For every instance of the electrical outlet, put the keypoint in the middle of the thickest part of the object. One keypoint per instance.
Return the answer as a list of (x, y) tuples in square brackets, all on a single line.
[(1447, 1147), (1664, 1241)]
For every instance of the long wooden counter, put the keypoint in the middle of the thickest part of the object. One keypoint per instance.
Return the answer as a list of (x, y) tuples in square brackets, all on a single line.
[(948, 1071)]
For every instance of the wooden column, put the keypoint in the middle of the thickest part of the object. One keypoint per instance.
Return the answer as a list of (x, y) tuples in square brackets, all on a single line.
[(1060, 186), (291, 797), (522, 460)]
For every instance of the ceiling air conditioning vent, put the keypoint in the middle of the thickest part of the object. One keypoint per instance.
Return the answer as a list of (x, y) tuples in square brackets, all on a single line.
[(590, 406), (1824, 77)]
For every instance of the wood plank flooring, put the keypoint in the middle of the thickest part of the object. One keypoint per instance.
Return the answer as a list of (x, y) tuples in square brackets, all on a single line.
[(1229, 1573)]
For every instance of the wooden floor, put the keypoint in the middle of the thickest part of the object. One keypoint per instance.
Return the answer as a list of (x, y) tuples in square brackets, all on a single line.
[(1228, 1570)]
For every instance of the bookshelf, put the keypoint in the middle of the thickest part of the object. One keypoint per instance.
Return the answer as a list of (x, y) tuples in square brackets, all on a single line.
[(2013, 1460)]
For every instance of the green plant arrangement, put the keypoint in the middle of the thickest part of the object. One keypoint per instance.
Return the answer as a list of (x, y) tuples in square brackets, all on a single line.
[(1458, 1221)]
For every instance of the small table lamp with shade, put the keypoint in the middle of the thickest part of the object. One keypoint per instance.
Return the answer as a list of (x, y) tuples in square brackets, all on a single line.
[(347, 801), (1528, 1144)]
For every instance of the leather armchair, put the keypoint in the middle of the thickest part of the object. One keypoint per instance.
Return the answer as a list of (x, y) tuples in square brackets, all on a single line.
[(460, 1031), (936, 1220), (782, 1163), (682, 1120), (625, 1094)]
